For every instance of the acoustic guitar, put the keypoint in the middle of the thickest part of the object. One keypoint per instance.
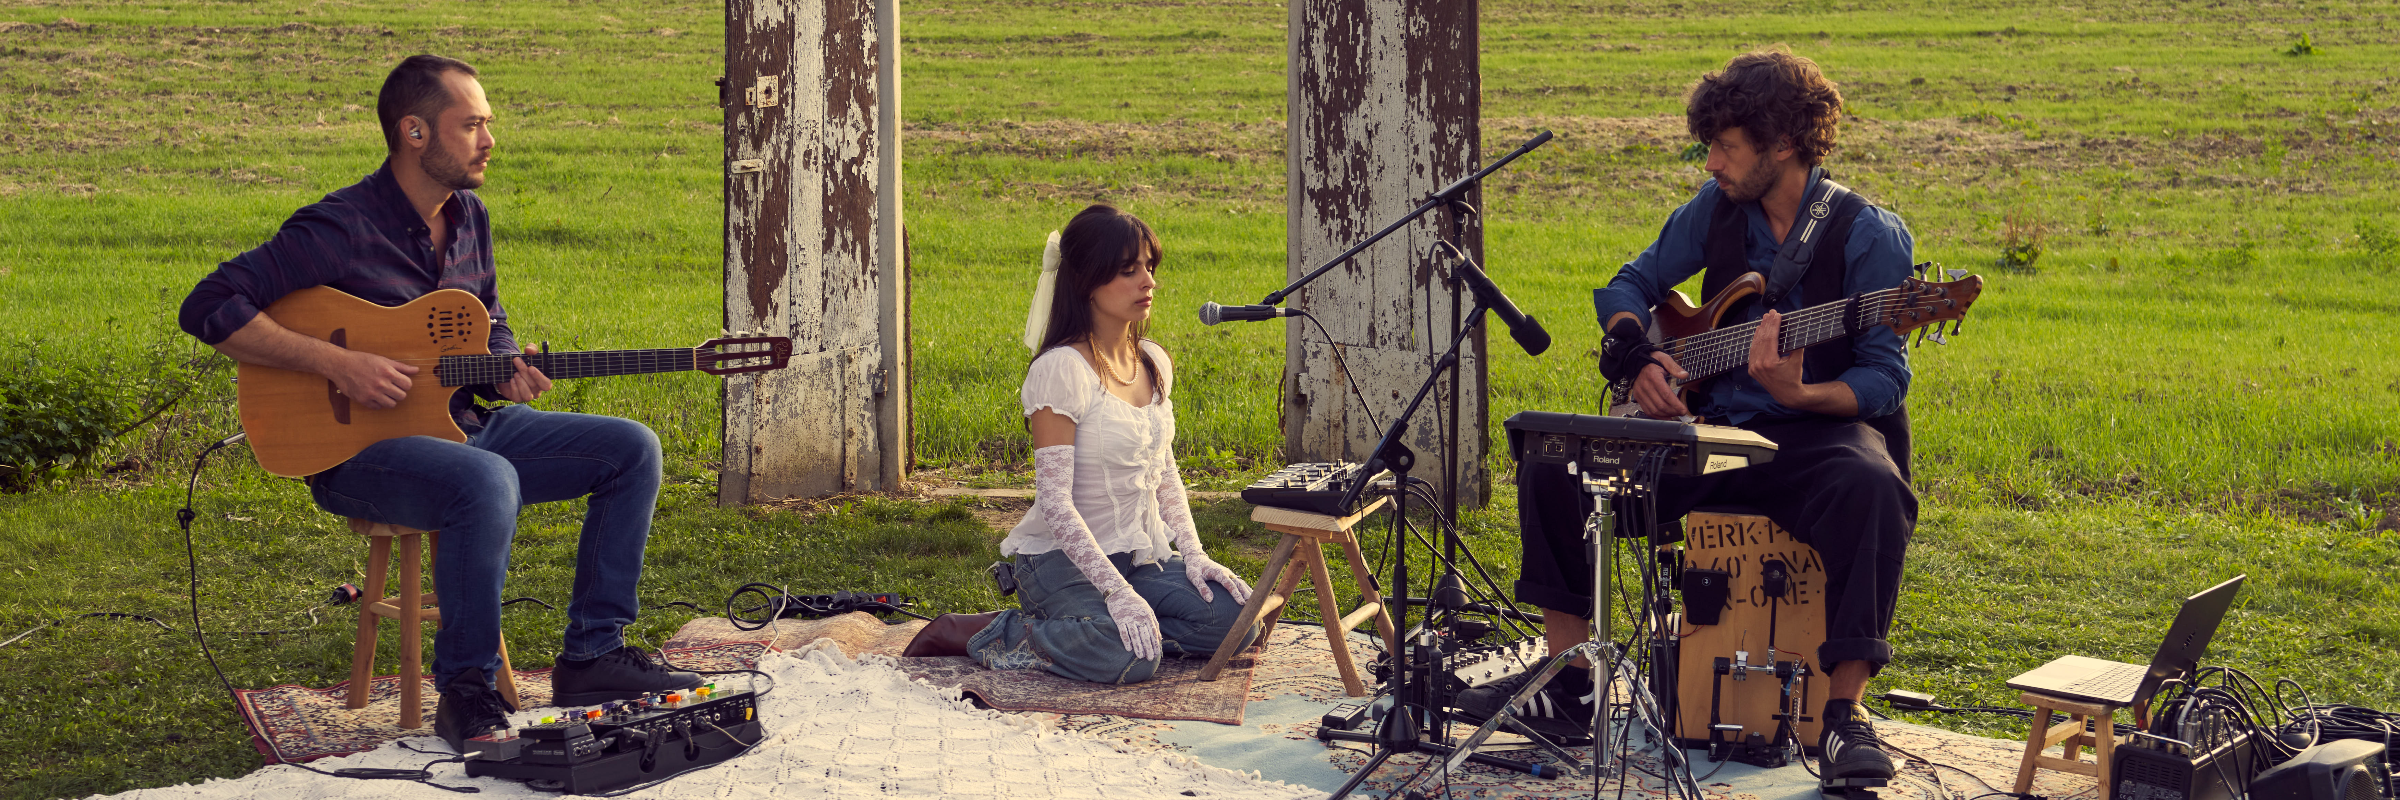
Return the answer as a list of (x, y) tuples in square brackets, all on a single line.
[(1691, 336), (300, 424)]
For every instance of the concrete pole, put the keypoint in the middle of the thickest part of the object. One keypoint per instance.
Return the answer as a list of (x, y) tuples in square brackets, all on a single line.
[(813, 249), (1384, 109)]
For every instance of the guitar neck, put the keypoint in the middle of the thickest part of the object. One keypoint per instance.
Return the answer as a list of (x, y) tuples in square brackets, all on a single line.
[(1723, 350), (482, 369)]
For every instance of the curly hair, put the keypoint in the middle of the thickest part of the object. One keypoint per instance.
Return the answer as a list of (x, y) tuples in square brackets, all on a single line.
[(1773, 96)]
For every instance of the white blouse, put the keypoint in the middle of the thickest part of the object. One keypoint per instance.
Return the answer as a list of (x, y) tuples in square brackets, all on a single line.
[(1118, 448)]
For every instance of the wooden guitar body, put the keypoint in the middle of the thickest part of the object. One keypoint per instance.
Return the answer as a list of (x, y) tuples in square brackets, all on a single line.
[(300, 425), (1676, 318)]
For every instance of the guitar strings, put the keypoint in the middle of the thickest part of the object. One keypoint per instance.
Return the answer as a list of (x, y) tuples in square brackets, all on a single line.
[(1803, 324)]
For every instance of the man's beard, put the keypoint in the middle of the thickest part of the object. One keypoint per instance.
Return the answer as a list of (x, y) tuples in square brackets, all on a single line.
[(447, 170), (1748, 188)]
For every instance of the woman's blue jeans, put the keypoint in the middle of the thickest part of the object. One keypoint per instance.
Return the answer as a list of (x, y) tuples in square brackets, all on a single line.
[(1061, 623), (472, 492)]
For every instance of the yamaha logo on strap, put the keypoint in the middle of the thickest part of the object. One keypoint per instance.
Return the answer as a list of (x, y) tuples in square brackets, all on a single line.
[(1820, 209)]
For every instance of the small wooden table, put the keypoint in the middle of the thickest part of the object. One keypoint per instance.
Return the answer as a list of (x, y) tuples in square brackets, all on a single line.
[(1317, 530), (2100, 735)]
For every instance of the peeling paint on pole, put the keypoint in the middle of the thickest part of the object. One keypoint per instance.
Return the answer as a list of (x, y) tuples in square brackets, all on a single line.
[(1384, 108), (811, 232)]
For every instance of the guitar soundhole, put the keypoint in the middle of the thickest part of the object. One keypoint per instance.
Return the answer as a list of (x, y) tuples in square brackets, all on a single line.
[(446, 324)]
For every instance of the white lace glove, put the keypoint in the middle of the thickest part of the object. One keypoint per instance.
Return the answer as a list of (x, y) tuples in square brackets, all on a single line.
[(1054, 499), (1177, 510)]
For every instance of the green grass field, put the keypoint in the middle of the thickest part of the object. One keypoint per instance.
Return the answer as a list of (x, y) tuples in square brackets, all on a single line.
[(2193, 379)]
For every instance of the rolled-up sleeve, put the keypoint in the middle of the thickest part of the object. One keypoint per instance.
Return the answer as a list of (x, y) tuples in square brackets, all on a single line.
[(307, 251), (1878, 374), (1670, 260)]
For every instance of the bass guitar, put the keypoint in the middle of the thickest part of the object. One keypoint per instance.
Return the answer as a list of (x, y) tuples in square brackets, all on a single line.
[(301, 424), (1691, 336)]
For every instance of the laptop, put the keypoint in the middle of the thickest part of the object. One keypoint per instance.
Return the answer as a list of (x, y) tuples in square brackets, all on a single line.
[(2120, 684)]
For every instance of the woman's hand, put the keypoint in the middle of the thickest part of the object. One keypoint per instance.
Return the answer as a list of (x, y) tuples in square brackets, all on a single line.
[(1201, 569), (1137, 625)]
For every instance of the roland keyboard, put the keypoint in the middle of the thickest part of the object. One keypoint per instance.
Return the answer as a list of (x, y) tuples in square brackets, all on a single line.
[(1618, 444)]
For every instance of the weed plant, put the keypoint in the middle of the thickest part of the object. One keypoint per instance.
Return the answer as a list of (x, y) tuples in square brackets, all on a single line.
[(2197, 383)]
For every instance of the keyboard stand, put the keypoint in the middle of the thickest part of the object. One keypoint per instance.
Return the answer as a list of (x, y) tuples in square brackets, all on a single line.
[(1317, 530)]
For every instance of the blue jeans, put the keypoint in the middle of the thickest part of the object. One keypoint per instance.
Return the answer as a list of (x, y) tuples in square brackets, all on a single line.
[(1061, 623), (472, 492)]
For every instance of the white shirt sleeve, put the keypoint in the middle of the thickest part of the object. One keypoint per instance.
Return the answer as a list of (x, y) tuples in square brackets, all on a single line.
[(1059, 381)]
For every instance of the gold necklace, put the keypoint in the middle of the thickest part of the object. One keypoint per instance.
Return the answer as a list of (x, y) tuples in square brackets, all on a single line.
[(1111, 371)]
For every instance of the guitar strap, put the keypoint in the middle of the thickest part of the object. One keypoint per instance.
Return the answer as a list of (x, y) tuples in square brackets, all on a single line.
[(1814, 223)]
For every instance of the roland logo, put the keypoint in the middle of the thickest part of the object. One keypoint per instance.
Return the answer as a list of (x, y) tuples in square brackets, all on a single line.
[(1720, 462)]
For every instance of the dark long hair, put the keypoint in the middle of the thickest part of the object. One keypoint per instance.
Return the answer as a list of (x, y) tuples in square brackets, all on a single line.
[(1100, 240)]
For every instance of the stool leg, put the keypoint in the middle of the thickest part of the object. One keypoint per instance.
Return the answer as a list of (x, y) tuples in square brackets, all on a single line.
[(1251, 611), (2033, 749), (412, 638), (1292, 570), (508, 679), (2104, 746), (1368, 593), (1337, 640), (362, 651)]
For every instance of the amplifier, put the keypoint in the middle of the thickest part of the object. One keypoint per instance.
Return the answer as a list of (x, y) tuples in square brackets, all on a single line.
[(2158, 768)]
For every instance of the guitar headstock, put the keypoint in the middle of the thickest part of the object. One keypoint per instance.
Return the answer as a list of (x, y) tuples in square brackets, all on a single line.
[(1921, 302), (734, 354)]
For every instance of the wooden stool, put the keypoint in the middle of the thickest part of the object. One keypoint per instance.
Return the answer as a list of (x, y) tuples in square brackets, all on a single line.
[(1318, 530), (2075, 734), (410, 610)]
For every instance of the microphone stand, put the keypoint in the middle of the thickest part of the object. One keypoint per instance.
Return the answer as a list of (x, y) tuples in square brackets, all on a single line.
[(1399, 732)]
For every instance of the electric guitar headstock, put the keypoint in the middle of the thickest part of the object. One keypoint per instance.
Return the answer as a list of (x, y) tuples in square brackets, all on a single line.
[(736, 354), (1921, 303)]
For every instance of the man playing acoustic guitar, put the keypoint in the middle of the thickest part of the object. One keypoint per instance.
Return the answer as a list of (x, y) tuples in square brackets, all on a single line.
[(1839, 480), (410, 228)]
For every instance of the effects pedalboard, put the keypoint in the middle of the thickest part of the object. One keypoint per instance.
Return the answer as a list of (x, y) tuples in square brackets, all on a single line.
[(620, 744)]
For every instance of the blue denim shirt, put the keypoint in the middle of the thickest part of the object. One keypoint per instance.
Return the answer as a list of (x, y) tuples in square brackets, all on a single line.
[(1879, 255)]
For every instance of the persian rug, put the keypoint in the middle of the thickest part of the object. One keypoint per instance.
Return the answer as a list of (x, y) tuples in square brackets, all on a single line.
[(837, 727), (299, 723)]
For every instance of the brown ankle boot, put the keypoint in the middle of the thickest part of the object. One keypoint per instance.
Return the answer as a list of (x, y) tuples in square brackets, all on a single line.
[(947, 635)]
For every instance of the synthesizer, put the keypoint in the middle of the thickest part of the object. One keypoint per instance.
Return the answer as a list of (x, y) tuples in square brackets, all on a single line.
[(1316, 488), (1618, 444)]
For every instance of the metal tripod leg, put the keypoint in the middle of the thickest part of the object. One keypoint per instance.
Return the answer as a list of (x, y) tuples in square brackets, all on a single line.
[(1508, 715)]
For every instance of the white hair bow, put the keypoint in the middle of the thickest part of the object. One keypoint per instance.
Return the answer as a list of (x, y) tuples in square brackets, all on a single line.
[(1037, 318)]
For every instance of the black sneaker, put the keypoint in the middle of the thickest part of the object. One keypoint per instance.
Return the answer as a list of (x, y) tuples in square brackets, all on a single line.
[(1852, 754), (622, 674), (1558, 711), (468, 708)]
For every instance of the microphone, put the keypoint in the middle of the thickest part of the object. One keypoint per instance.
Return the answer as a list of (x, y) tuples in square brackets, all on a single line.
[(1521, 326), (1211, 313)]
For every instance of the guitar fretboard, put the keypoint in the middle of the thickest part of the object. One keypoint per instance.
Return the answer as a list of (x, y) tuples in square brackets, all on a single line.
[(1726, 349), (482, 369)]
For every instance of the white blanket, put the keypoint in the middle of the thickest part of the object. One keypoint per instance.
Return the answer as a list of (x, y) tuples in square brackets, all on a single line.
[(836, 728)]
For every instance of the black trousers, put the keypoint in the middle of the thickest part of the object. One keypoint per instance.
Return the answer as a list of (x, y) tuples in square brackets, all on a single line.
[(1833, 484)]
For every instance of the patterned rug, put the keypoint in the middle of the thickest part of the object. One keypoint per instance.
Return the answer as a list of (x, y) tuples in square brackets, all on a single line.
[(1177, 693), (290, 724)]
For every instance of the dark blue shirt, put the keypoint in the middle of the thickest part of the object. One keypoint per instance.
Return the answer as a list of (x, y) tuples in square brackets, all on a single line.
[(367, 240), (1879, 255)]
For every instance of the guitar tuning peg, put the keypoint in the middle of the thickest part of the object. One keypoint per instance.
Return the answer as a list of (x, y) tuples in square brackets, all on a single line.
[(1921, 268), (1935, 333), (1956, 274), (1957, 324)]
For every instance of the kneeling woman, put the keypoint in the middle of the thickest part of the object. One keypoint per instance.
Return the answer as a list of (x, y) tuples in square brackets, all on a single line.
[(1110, 574)]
